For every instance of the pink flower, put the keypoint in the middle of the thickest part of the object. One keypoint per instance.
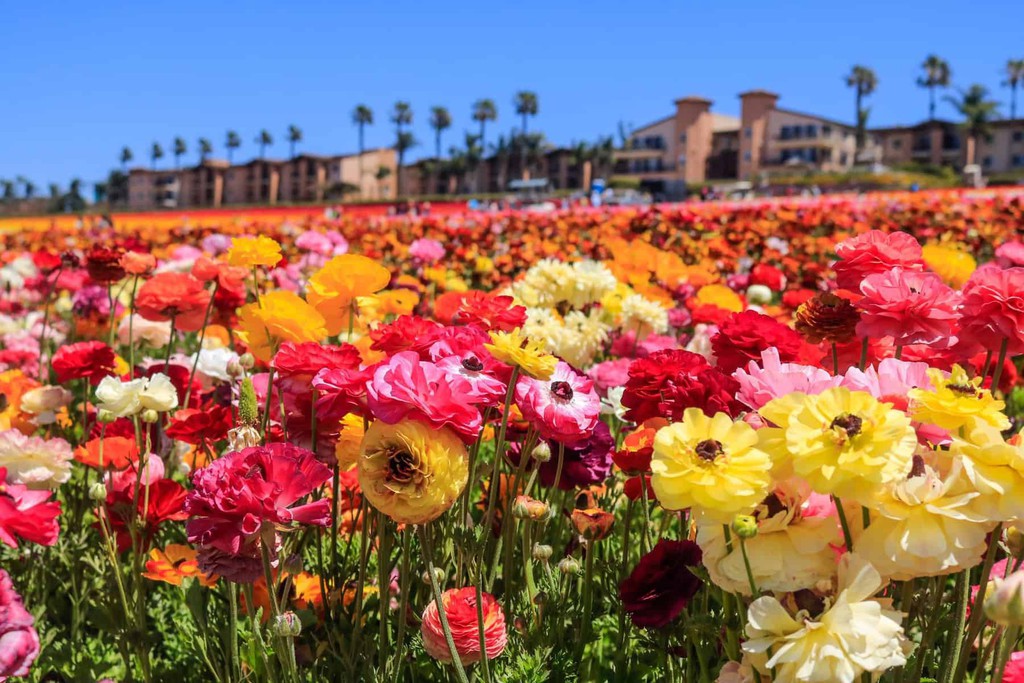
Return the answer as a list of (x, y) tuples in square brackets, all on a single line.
[(891, 383), (609, 374), (464, 623), (406, 386), (340, 391), (1010, 254), (993, 308), (26, 514), (313, 241), (1014, 671), (759, 384), (485, 389), (426, 250), (19, 642), (564, 408), (875, 252), (910, 307), (244, 494), (626, 346)]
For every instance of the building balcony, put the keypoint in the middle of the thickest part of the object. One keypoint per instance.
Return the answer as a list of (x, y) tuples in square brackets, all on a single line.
[(639, 153), (820, 142)]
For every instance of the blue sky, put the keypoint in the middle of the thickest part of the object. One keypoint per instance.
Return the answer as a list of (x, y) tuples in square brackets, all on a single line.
[(80, 80)]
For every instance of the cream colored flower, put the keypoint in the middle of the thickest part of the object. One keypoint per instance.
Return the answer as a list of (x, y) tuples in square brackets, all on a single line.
[(124, 399), (853, 633), (44, 403), (34, 462), (137, 328), (996, 470), (924, 525), (643, 316)]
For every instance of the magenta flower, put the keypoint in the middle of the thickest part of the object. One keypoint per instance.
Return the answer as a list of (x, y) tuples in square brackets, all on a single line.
[(564, 408), (910, 307), (19, 642), (407, 387), (426, 250), (484, 388), (993, 308)]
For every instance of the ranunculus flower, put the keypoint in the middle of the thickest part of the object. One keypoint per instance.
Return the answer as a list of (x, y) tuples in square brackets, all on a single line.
[(45, 402), (875, 252), (178, 297), (37, 463), (910, 307), (610, 373), (249, 252), (563, 408), (159, 500), (660, 587), (426, 250), (761, 382), (91, 360), (19, 642), (993, 309), (668, 382), (460, 608), (333, 289), (104, 264), (27, 514), (135, 329), (279, 317), (743, 336), (124, 399), (584, 463), (197, 426)]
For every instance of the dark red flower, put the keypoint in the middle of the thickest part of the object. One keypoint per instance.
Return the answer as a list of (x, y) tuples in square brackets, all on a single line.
[(104, 265), (196, 426), (666, 383), (26, 514), (632, 489), (662, 584), (91, 360), (585, 463), (743, 336)]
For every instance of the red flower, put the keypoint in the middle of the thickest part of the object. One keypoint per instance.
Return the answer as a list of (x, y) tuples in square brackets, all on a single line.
[(875, 252), (769, 276), (637, 449), (666, 383), (401, 334), (104, 265), (46, 261), (308, 358), (743, 336), (158, 502), (489, 311), (632, 489), (91, 360), (196, 426), (177, 296), (26, 514), (993, 308), (662, 584), (794, 297), (340, 391), (460, 609)]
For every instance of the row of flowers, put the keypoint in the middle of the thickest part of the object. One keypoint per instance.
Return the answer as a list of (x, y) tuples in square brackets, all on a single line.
[(701, 444)]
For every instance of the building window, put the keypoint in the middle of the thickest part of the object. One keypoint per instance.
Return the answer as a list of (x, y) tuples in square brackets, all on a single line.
[(1018, 135), (826, 130), (748, 132), (1018, 160), (986, 162), (896, 144), (682, 160), (746, 155), (811, 131), (842, 159), (682, 138)]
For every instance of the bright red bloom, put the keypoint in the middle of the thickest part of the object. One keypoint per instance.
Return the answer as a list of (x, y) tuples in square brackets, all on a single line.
[(489, 312), (460, 609), (177, 296), (104, 265), (196, 426), (993, 308), (401, 334), (794, 297), (241, 493), (46, 261), (743, 336), (638, 449), (308, 358), (158, 502), (662, 584), (875, 252), (340, 391), (631, 487), (769, 276), (666, 383), (26, 514), (91, 360)]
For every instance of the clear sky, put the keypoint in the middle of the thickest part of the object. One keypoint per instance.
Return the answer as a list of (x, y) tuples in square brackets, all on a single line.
[(80, 80)]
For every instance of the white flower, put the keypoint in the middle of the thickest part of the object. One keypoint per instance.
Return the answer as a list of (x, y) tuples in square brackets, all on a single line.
[(213, 363), (124, 399), (643, 316), (854, 633), (759, 294), (593, 281), (611, 404), (701, 341), (44, 402), (34, 462), (137, 328)]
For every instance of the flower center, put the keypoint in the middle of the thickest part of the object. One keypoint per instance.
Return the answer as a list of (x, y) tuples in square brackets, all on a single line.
[(916, 467), (963, 389), (772, 506), (401, 466), (809, 601), (472, 363), (850, 424), (708, 450), (562, 390)]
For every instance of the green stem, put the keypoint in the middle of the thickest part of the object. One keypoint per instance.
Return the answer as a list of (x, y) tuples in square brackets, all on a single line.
[(977, 614), (997, 371), (847, 538), (403, 603)]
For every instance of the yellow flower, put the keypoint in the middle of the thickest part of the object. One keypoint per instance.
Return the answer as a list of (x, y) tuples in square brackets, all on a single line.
[(483, 265), (350, 439), (410, 471), (852, 634), (513, 348), (612, 301), (279, 316), (951, 264), (712, 464), (333, 289), (842, 442), (249, 252), (721, 296), (995, 468), (956, 401)]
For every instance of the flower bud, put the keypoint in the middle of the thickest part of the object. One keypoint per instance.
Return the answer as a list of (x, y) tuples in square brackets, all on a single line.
[(97, 491), (542, 452), (234, 368), (593, 524), (149, 416), (286, 624), (104, 416), (541, 552), (248, 411), (569, 566), (1015, 540), (439, 576), (1004, 603), (744, 526), (526, 507), (759, 294), (293, 564), (247, 361)]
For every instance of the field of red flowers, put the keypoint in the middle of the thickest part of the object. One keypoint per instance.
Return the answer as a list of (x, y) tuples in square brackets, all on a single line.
[(762, 441)]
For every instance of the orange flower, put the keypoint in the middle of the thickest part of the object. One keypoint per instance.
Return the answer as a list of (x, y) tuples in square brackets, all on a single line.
[(13, 385), (249, 252), (117, 452), (174, 296), (333, 289), (280, 316), (137, 263), (349, 439), (307, 591), (175, 563)]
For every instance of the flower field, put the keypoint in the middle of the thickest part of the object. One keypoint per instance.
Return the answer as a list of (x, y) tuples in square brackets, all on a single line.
[(762, 441)]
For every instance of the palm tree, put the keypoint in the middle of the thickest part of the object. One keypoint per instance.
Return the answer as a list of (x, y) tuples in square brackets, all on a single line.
[(156, 153), (978, 112), (502, 152), (73, 201), (401, 115), (936, 75), (10, 192), (440, 120), (294, 136), (484, 111), (205, 149), (21, 180), (1014, 77), (126, 156), (179, 149), (382, 173), (233, 142), (403, 142), (864, 81), (264, 139), (30, 189), (471, 157), (362, 116), (526, 105)]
